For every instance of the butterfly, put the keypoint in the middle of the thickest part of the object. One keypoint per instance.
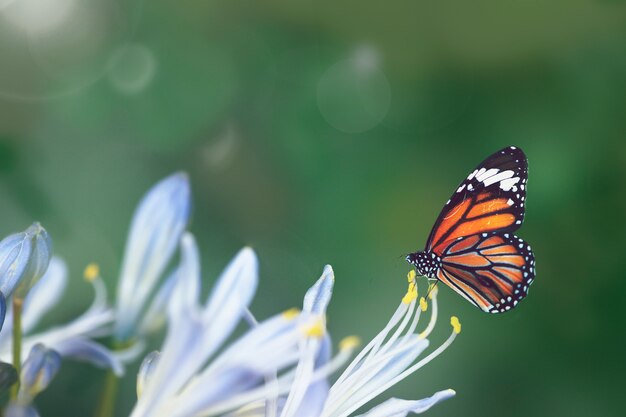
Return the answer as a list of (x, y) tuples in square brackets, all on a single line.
[(471, 247)]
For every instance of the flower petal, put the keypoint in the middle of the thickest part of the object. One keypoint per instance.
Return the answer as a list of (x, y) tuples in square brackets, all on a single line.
[(194, 335), (318, 296), (184, 297), (315, 303), (156, 314), (237, 284), (155, 231), (395, 407), (45, 294), (15, 251), (89, 351), (39, 259)]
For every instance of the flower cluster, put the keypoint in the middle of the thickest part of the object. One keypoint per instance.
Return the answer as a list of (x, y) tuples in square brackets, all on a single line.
[(282, 366)]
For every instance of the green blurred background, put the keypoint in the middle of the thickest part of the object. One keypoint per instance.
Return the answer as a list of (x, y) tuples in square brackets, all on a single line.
[(333, 132)]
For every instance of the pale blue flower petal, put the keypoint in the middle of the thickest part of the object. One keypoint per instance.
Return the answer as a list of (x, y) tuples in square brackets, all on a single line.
[(236, 285), (395, 407), (86, 350), (39, 259), (318, 296), (179, 293), (15, 251), (155, 316), (155, 231), (315, 396), (194, 335), (275, 343), (45, 294), (186, 292)]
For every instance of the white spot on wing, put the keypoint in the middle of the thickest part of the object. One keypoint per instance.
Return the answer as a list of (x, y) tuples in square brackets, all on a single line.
[(483, 176), (498, 177), (472, 174), (508, 183)]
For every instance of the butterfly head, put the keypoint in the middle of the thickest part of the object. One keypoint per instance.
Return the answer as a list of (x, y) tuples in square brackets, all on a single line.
[(425, 263)]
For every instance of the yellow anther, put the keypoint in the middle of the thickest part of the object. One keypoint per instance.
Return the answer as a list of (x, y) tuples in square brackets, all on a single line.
[(291, 314), (316, 329), (432, 291), (411, 275), (411, 294), (349, 343), (423, 304), (92, 272), (456, 324)]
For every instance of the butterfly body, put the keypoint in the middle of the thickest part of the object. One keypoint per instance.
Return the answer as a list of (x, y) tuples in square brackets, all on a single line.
[(426, 263), (471, 247)]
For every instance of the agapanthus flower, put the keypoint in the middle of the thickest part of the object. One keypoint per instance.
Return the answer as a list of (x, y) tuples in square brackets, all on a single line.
[(72, 339), (387, 359), (281, 366), (157, 226), (188, 377)]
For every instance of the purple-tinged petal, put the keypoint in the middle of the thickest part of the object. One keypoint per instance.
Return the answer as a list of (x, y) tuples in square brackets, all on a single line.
[(89, 351), (395, 407)]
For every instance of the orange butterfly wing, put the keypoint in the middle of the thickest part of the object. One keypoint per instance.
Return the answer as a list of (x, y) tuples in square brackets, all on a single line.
[(491, 270), (490, 199)]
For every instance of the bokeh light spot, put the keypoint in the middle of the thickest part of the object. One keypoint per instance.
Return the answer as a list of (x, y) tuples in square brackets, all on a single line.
[(37, 16), (354, 95), (132, 68)]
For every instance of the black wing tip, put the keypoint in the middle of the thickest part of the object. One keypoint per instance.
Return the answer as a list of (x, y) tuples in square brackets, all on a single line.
[(512, 150)]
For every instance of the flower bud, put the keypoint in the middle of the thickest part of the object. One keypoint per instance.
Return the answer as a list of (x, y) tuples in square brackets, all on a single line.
[(24, 258)]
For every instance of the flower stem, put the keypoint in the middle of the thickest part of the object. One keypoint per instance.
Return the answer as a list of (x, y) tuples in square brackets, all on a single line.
[(17, 342), (108, 397)]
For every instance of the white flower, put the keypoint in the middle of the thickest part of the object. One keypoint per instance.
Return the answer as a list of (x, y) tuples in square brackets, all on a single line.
[(72, 339), (389, 358), (155, 231), (186, 378), (279, 368)]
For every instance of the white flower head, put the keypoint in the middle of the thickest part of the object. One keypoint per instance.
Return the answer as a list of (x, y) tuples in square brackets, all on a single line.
[(185, 379), (389, 358)]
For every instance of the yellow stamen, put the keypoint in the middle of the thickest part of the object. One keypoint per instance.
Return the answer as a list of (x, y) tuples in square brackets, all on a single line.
[(92, 272), (411, 294), (411, 275), (456, 324), (315, 330), (423, 304), (291, 314), (349, 343), (432, 291)]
